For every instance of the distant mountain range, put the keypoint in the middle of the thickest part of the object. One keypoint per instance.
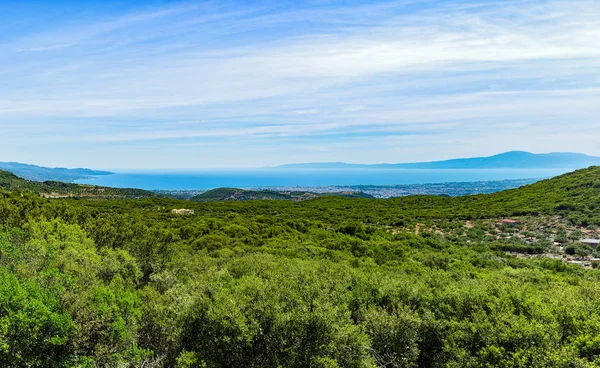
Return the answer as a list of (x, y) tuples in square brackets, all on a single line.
[(40, 173), (507, 160)]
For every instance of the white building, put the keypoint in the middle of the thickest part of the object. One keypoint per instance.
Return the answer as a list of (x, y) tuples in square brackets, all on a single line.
[(182, 211), (591, 242)]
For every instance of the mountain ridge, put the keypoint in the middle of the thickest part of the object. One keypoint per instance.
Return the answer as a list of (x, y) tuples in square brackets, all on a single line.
[(42, 173), (505, 160)]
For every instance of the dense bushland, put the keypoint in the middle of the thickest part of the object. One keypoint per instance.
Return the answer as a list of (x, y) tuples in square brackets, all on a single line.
[(330, 282)]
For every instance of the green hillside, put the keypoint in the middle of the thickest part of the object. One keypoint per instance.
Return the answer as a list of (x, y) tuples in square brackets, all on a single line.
[(576, 192), (56, 189), (329, 282), (574, 195), (233, 194)]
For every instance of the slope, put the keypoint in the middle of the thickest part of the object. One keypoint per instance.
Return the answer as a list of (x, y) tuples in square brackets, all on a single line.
[(234, 194), (55, 189)]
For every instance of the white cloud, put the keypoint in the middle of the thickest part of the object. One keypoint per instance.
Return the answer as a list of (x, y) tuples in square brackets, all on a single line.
[(206, 71)]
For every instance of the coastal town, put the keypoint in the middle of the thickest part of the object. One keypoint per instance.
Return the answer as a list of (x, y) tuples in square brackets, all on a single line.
[(450, 189)]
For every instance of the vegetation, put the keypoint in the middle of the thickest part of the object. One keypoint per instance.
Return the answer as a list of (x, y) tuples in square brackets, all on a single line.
[(234, 194), (56, 189), (328, 282)]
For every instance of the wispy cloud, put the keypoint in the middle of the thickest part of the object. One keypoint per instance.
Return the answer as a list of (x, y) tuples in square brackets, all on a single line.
[(284, 75)]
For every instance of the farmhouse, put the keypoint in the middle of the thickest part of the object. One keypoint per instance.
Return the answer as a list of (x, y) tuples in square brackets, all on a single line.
[(591, 242), (182, 211)]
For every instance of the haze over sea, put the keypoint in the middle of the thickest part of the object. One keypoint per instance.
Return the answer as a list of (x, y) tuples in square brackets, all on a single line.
[(258, 178)]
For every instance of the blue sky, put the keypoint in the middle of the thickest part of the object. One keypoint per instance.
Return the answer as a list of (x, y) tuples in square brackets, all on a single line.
[(167, 84)]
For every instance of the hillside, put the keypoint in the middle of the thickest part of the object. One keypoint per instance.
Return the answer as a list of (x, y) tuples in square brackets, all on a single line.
[(55, 189), (233, 194), (575, 195), (507, 160), (420, 281), (40, 173)]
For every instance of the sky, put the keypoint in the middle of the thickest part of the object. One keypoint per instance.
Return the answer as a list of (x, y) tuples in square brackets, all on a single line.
[(163, 84)]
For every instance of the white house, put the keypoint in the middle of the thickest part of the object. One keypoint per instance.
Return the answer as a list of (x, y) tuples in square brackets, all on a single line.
[(591, 242), (182, 211)]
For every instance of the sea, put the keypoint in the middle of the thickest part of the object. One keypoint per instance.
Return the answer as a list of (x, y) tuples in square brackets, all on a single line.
[(263, 178)]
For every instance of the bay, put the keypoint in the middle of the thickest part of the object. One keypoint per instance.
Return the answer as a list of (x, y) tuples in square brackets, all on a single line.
[(260, 178)]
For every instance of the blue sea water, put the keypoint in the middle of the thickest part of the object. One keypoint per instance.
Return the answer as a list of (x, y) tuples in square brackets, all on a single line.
[(253, 178)]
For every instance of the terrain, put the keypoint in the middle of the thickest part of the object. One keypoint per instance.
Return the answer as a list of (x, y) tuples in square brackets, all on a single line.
[(451, 189), (506, 160), (56, 189), (416, 281), (233, 194)]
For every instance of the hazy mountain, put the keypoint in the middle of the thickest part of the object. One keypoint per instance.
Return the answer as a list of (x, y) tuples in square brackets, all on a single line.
[(507, 160), (40, 173)]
